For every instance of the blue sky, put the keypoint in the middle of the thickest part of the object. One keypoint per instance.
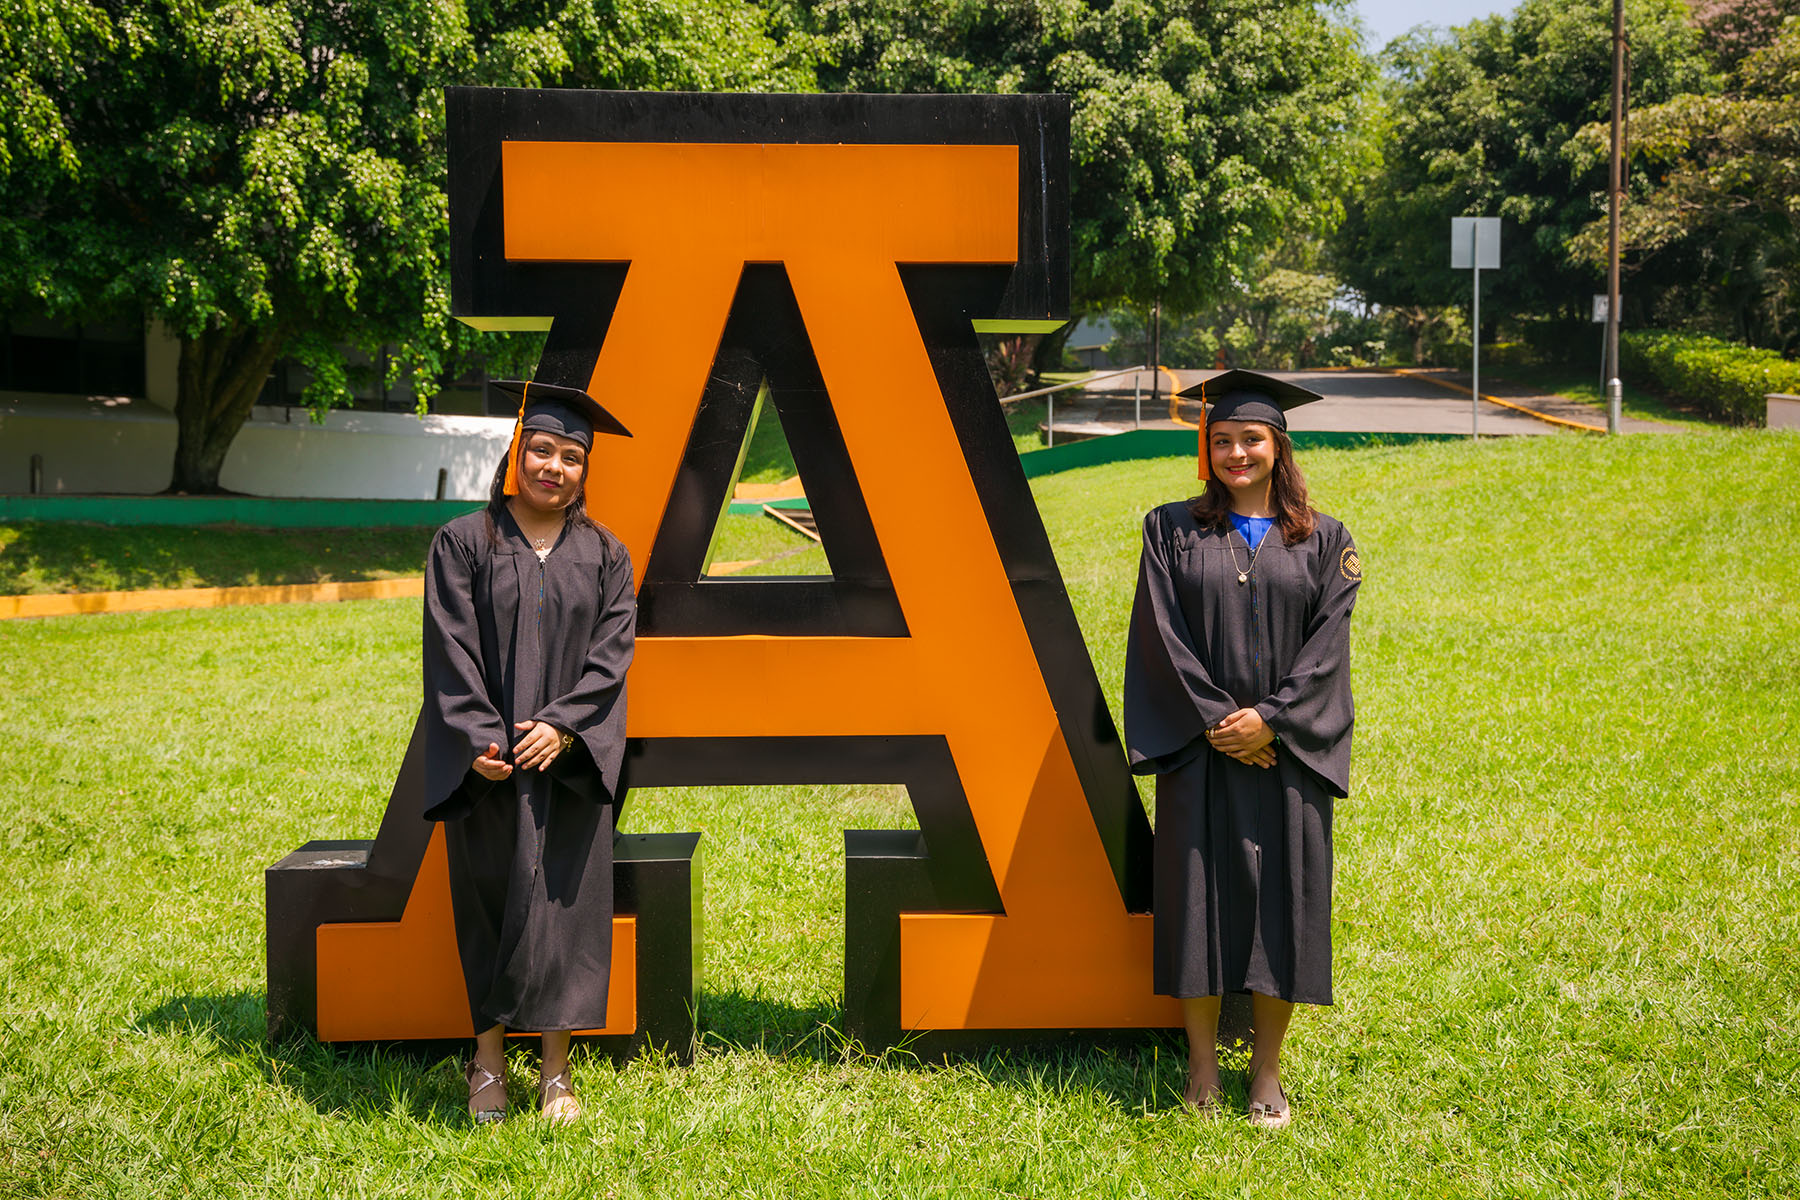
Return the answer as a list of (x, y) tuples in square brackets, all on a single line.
[(1388, 19)]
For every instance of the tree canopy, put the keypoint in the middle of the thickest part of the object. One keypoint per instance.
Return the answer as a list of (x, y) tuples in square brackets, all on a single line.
[(1199, 133), (266, 177), (1482, 121), (1722, 172)]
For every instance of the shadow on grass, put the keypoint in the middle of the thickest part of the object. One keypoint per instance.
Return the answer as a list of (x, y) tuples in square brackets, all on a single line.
[(422, 1081), (740, 1020), (70, 557), (1139, 1072), (1132, 1071)]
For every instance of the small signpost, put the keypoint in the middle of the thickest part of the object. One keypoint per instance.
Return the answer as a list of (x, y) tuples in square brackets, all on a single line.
[(1601, 309), (1475, 246)]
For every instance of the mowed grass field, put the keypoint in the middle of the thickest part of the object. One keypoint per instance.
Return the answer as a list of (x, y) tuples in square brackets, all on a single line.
[(1567, 919)]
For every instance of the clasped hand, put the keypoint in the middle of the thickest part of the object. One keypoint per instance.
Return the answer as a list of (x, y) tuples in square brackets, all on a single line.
[(535, 751), (1246, 737)]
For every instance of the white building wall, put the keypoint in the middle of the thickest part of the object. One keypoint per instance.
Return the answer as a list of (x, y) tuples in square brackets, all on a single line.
[(162, 365), (119, 446)]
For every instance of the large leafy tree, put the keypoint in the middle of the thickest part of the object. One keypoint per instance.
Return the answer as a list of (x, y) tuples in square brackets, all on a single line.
[(1724, 173), (1200, 132), (266, 177), (1482, 121), (1731, 30)]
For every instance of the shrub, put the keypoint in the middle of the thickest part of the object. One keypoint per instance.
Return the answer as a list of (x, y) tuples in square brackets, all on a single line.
[(1725, 379), (1509, 354)]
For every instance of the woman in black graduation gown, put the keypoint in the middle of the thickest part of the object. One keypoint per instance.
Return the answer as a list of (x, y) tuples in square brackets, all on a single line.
[(1237, 698), (529, 621)]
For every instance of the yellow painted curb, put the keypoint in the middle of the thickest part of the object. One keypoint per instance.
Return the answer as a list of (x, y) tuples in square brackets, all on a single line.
[(156, 599), (1530, 412), (1175, 398)]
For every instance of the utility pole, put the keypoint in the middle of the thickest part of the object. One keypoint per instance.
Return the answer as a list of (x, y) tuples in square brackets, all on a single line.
[(1614, 388)]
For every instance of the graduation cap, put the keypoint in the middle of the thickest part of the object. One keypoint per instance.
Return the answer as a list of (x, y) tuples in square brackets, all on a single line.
[(551, 408), (1246, 396)]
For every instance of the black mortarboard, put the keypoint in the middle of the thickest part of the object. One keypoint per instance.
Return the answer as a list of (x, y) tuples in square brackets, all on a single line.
[(550, 407), (1236, 395), (1247, 396)]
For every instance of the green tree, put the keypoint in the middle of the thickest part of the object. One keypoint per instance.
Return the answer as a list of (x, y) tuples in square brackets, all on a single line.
[(1731, 30), (1287, 314), (1724, 171), (1481, 121), (1200, 133), (266, 177)]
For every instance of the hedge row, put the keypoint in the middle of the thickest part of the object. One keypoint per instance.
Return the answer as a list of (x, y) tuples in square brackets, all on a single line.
[(1724, 378)]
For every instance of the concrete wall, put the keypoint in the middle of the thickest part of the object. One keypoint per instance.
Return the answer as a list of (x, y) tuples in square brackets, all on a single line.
[(1783, 411), (122, 446)]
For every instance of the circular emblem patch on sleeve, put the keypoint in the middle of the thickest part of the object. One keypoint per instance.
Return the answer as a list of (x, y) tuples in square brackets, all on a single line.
[(1350, 564)]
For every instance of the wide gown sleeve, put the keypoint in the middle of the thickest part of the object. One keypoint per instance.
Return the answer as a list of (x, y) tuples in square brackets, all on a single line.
[(460, 718), (594, 709), (1310, 709), (1170, 699)]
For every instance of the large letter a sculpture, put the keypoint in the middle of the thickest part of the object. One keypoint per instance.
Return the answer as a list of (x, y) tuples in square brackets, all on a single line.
[(684, 252)]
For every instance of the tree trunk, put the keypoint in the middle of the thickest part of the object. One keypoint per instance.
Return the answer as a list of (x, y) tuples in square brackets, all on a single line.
[(221, 373)]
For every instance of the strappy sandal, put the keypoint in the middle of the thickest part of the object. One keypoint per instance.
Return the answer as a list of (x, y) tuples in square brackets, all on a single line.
[(480, 1079), (558, 1091), (1267, 1116)]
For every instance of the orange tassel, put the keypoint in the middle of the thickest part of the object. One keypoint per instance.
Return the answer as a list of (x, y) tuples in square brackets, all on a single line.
[(1204, 473), (511, 487)]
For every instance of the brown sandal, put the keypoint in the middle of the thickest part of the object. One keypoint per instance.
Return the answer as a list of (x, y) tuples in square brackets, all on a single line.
[(480, 1079)]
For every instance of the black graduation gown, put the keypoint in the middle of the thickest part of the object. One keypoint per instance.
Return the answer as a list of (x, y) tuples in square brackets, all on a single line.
[(1242, 860), (508, 639)]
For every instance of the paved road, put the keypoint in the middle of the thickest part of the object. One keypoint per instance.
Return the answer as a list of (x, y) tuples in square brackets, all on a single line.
[(1355, 401), (1554, 407)]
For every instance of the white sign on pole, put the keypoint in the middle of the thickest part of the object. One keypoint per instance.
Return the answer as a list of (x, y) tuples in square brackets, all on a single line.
[(1600, 314), (1475, 245), (1475, 242)]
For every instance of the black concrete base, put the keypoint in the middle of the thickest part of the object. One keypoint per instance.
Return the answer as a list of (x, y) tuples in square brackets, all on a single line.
[(887, 872), (656, 878)]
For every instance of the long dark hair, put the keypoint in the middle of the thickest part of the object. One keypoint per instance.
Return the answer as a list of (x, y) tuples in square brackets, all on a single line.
[(576, 514), (1287, 494)]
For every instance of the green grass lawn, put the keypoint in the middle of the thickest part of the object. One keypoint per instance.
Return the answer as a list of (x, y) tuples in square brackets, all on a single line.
[(767, 459), (775, 548), (1567, 921), (1022, 420)]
